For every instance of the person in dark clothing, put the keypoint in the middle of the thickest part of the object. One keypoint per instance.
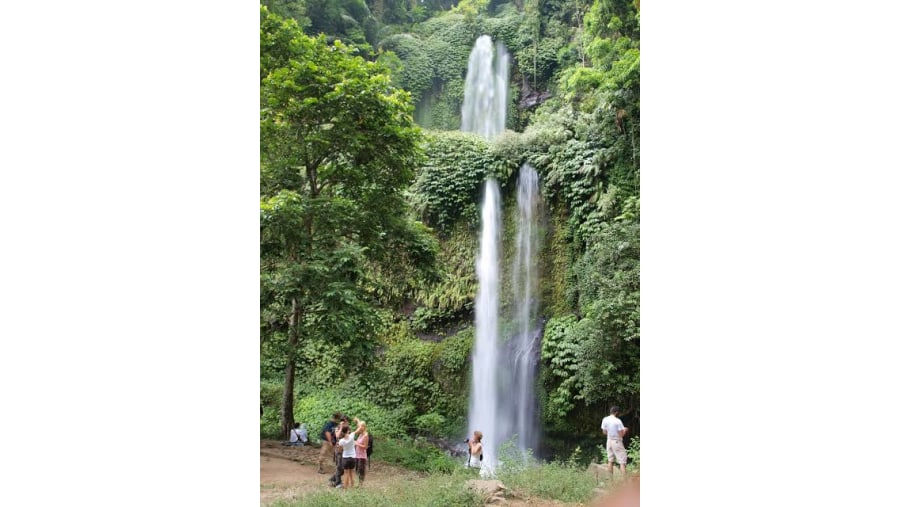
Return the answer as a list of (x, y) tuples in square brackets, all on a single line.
[(328, 439), (336, 479)]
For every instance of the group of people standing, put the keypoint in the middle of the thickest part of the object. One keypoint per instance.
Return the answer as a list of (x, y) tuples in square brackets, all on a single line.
[(348, 449)]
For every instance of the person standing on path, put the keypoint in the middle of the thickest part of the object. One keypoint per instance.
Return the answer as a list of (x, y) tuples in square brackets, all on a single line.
[(615, 431), (362, 443), (335, 480), (348, 444), (328, 439)]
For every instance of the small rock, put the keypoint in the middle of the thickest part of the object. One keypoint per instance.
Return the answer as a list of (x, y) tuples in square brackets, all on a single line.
[(598, 472), (493, 491), (486, 487)]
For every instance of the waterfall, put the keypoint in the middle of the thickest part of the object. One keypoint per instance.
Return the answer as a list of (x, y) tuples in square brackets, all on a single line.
[(524, 346), (484, 113), (487, 84), (520, 351), (502, 402), (483, 405)]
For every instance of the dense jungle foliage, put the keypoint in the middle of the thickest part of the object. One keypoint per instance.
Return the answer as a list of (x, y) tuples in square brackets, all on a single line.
[(369, 209)]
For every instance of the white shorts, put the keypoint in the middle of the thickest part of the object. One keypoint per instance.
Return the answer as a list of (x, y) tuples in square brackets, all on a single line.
[(615, 448)]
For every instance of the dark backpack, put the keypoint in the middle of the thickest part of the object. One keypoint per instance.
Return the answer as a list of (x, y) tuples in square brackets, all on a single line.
[(329, 427), (369, 448)]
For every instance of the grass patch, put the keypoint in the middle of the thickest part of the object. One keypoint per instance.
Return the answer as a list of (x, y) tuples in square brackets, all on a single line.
[(556, 481), (438, 490), (566, 481), (415, 455)]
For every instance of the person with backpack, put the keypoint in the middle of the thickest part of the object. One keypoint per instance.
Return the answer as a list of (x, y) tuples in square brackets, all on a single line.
[(328, 439), (336, 479), (362, 449)]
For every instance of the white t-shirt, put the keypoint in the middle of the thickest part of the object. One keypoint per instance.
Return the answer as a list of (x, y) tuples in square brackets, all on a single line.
[(294, 433), (612, 425), (347, 444)]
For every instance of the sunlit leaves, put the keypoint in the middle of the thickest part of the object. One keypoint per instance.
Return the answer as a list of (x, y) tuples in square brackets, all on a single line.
[(337, 148)]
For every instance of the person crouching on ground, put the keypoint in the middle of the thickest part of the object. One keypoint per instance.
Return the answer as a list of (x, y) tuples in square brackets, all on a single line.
[(362, 442), (304, 434), (295, 436), (348, 443)]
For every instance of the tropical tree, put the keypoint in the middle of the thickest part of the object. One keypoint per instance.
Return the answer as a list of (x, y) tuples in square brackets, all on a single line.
[(337, 148)]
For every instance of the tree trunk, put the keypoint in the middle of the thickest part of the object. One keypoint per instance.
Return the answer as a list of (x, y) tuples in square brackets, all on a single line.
[(287, 399)]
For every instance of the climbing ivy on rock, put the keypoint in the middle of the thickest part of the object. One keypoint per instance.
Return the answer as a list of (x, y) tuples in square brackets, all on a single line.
[(559, 352), (449, 183)]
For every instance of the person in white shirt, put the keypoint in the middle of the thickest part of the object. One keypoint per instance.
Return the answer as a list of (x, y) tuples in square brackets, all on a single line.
[(615, 431), (304, 434), (298, 437), (347, 442)]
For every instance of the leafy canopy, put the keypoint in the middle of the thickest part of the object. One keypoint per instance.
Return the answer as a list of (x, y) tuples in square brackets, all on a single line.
[(337, 148)]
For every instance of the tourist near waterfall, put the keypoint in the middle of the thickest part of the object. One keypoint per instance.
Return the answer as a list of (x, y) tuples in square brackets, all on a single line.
[(615, 432)]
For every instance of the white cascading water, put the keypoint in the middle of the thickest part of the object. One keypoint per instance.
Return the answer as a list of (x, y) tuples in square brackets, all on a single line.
[(524, 346), (487, 85), (483, 404), (484, 113), (517, 363)]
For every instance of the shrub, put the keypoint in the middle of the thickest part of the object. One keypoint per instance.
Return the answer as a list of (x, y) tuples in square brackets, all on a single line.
[(416, 454), (430, 424), (270, 398), (634, 454), (315, 409)]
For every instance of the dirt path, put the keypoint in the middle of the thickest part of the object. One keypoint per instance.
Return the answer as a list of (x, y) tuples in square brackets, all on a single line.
[(289, 472)]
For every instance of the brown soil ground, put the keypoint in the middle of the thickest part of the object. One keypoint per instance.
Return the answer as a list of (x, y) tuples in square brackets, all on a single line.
[(287, 473)]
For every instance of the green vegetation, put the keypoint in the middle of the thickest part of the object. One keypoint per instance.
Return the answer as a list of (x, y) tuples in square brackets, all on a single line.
[(338, 146), (559, 480), (434, 491), (563, 481), (416, 454), (369, 220)]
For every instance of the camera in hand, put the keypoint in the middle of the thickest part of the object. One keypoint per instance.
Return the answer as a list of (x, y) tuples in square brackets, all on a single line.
[(467, 441)]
